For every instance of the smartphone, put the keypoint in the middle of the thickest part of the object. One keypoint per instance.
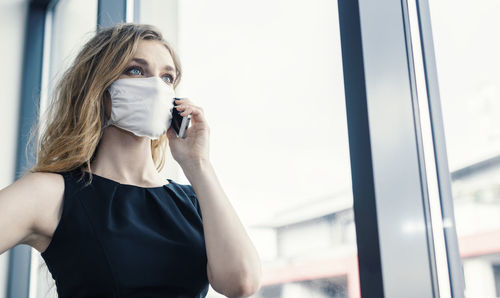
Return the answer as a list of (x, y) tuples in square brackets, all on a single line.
[(179, 123)]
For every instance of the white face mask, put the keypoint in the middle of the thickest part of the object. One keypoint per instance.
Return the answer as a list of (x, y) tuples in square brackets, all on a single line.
[(142, 106)]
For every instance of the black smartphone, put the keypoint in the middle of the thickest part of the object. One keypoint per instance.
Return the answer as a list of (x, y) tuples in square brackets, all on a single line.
[(179, 122)]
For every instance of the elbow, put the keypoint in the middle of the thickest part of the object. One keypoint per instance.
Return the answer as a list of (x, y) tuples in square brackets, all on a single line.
[(244, 287), (246, 290), (243, 290), (250, 289), (238, 281)]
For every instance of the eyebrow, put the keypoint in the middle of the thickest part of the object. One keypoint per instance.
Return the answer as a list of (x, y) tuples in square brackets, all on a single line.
[(144, 62)]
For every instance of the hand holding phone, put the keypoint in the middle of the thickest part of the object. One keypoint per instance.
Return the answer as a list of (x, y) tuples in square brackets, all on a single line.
[(179, 123)]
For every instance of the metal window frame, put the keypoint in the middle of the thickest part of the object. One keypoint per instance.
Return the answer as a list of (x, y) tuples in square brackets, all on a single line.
[(396, 245), (18, 278), (455, 265)]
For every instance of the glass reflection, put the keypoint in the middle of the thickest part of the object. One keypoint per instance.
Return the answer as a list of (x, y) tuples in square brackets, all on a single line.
[(466, 50)]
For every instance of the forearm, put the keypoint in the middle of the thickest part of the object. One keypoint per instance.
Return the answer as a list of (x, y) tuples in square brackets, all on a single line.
[(232, 258)]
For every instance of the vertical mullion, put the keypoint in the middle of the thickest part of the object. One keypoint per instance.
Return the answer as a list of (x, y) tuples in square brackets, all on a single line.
[(455, 267), (394, 236), (370, 268), (420, 142), (18, 282)]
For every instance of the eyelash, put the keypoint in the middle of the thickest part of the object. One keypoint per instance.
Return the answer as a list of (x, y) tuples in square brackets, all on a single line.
[(128, 69)]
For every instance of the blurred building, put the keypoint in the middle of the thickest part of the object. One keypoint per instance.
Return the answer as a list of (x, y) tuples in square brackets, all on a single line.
[(316, 249)]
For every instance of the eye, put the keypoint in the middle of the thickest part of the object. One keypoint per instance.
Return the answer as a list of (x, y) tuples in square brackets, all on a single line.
[(168, 78), (134, 71)]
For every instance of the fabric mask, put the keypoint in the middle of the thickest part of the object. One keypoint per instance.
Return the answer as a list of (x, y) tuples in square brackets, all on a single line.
[(142, 106)]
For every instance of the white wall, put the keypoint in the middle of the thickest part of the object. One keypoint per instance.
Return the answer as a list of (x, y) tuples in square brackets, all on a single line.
[(12, 27)]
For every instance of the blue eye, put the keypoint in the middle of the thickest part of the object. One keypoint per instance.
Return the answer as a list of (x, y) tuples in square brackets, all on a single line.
[(134, 70), (169, 77)]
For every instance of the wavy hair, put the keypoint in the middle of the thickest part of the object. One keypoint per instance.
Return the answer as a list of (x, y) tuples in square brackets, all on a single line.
[(76, 113)]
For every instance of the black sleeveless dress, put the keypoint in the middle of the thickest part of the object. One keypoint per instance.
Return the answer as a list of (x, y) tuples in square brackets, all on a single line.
[(120, 240)]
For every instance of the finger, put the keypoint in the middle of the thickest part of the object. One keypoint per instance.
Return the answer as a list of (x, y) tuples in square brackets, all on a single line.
[(196, 113), (187, 111), (183, 100), (180, 107)]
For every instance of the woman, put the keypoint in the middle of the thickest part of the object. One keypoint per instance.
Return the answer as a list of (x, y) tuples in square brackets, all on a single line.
[(95, 206)]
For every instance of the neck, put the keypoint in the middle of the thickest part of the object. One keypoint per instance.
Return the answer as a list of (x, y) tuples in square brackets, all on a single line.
[(125, 157)]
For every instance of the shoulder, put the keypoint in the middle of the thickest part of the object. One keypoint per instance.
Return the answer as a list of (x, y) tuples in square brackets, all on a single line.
[(40, 185), (35, 186), (22, 203), (42, 179), (45, 191), (190, 193), (187, 188)]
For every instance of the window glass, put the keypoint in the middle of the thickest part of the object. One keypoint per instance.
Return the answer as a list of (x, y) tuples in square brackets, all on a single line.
[(466, 47), (268, 75), (69, 25), (74, 22)]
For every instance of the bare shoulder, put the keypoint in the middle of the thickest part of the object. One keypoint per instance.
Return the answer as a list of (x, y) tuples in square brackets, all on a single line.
[(28, 209), (40, 187), (41, 180), (46, 192)]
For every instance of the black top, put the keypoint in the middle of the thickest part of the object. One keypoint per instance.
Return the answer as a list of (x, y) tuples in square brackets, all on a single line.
[(121, 240)]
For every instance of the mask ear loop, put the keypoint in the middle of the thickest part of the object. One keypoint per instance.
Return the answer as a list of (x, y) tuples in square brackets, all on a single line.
[(103, 109), (106, 124)]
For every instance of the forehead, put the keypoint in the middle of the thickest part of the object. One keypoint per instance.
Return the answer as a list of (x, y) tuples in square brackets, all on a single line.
[(155, 52)]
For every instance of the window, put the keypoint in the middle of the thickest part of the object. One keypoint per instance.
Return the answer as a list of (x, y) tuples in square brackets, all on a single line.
[(467, 64), (269, 77)]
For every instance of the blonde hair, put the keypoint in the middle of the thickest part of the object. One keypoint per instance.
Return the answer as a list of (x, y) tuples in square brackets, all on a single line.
[(76, 113)]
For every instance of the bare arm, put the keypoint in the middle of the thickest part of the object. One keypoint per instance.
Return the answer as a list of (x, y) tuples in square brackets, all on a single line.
[(234, 267), (21, 205)]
